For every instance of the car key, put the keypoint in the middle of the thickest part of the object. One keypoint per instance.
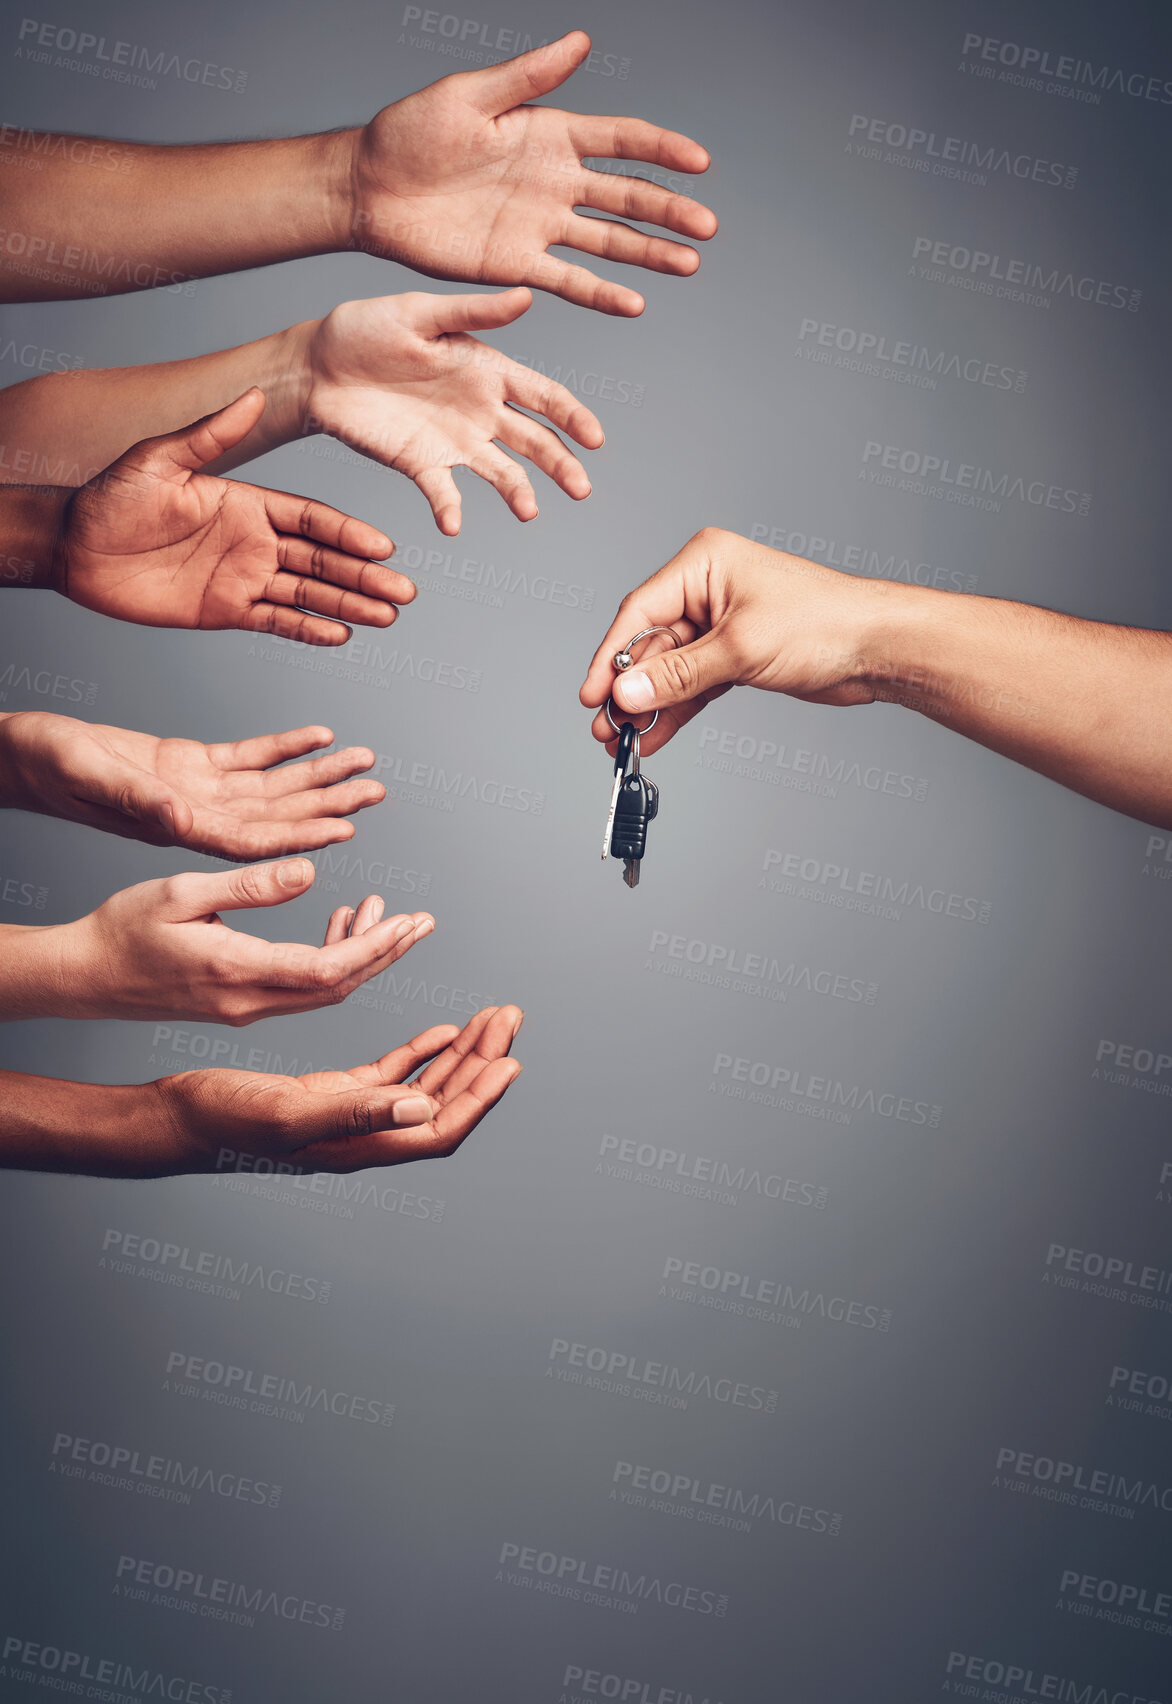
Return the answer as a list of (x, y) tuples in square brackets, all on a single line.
[(638, 804), (626, 740)]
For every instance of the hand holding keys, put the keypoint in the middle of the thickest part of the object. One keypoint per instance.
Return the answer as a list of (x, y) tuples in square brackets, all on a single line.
[(634, 800)]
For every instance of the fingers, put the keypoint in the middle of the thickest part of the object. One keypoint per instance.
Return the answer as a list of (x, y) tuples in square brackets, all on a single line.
[(348, 1116), (675, 677), (510, 480), (356, 573), (559, 406), (499, 88), (318, 772), (448, 314), (325, 598), (612, 241), (187, 897), (342, 800), (443, 494), (402, 1061), (326, 975), (489, 1035), (546, 451), (460, 1116), (263, 751), (648, 203), (307, 518), (635, 139), (293, 624), (658, 602), (193, 447), (666, 727), (575, 284)]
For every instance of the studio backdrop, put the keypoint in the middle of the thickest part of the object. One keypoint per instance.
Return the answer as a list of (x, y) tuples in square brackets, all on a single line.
[(799, 1330)]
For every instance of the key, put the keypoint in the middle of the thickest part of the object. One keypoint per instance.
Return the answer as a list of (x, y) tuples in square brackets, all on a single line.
[(638, 804), (626, 740)]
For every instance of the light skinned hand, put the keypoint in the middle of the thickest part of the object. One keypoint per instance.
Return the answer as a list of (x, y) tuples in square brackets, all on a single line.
[(465, 180), (236, 799), (401, 380), (161, 950), (748, 616), (382, 1114), (153, 540)]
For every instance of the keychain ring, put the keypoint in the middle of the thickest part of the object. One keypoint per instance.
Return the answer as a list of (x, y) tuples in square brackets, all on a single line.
[(623, 659)]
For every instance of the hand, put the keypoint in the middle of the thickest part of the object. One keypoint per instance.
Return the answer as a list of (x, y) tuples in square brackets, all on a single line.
[(345, 1121), (160, 950), (235, 800), (400, 380), (748, 616), (155, 541), (461, 180)]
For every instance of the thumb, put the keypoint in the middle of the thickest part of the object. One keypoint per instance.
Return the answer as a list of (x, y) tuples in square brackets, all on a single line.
[(498, 88), (193, 447), (161, 816), (366, 1112), (235, 890), (479, 313), (673, 677)]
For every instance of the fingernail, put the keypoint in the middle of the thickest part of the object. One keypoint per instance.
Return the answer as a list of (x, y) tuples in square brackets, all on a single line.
[(424, 928), (635, 690), (295, 873), (377, 910), (412, 1109)]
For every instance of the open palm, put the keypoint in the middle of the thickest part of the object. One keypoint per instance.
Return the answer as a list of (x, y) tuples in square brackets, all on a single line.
[(462, 180), (400, 379), (153, 540)]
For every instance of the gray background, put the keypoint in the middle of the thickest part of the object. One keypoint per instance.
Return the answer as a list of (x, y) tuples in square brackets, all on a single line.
[(450, 1311)]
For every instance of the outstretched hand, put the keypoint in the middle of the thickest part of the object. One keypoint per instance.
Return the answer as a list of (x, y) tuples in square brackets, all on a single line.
[(464, 180), (236, 799), (153, 540), (400, 379), (382, 1114), (746, 616)]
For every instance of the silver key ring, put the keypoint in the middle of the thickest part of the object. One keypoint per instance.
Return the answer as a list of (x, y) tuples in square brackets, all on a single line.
[(622, 661)]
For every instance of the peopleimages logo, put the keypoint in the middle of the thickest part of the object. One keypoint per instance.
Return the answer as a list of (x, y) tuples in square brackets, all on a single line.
[(124, 1468), (870, 351), (950, 156), (702, 1176), (1083, 1487), (1003, 276), (1012, 1681), (624, 1374), (607, 1585), (963, 482), (765, 1299), (267, 1393), (751, 758), (1118, 1601), (711, 1504), (586, 1685), (1140, 1392), (1128, 1065), (865, 890), (727, 967), (785, 1086), (170, 1260), (1083, 78), (863, 559), (68, 1667), (1109, 1275), (219, 1599)]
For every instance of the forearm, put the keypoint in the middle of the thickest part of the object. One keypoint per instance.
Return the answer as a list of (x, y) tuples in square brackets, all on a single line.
[(45, 972), (1088, 704), (30, 530), (90, 1128), (88, 217), (63, 428)]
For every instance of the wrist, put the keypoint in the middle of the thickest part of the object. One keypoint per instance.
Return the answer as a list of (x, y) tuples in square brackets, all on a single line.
[(40, 976), (15, 792), (900, 641), (33, 520), (285, 375), (336, 173)]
